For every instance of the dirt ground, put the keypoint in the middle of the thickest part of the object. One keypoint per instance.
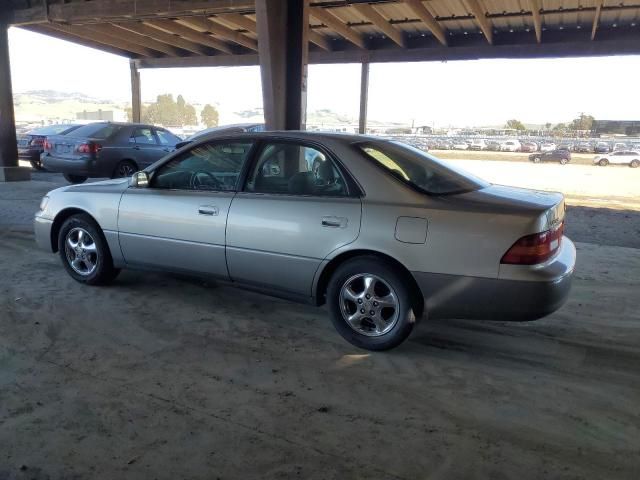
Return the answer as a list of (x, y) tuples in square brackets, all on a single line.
[(165, 377)]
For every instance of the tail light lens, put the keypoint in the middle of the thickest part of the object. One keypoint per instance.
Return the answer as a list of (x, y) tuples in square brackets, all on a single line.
[(36, 141), (536, 248), (89, 148), (48, 145)]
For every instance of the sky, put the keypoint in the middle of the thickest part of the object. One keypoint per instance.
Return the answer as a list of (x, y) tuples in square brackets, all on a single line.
[(461, 93)]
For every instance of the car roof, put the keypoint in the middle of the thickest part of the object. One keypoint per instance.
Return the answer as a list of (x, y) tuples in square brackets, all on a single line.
[(293, 134)]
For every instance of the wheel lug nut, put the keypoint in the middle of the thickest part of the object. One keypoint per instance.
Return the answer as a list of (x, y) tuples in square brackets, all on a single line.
[(375, 304), (362, 310), (368, 296), (372, 312), (359, 300)]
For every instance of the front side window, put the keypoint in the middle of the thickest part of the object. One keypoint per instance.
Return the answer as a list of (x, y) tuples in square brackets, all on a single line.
[(419, 169), (143, 136), (289, 168), (209, 166)]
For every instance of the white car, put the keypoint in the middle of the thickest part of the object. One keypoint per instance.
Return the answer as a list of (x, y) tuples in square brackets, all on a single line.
[(460, 145), (548, 147), (510, 146), (619, 147), (480, 144), (621, 157)]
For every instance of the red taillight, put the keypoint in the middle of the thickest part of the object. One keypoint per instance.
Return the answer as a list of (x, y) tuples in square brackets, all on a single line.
[(536, 248), (37, 141), (48, 145), (88, 148)]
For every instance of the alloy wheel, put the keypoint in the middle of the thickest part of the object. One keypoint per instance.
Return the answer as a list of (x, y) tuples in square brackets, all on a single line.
[(81, 251), (369, 305), (125, 170)]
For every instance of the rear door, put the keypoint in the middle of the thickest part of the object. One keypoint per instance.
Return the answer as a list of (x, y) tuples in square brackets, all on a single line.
[(178, 223), (144, 146), (289, 217)]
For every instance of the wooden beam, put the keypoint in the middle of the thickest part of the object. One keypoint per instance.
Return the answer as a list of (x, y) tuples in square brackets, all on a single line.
[(89, 34), (162, 36), (381, 23), (478, 10), (136, 39), (420, 11), (537, 18), (190, 34), (97, 11), (319, 40), (335, 24), (364, 97), (596, 19), (205, 25), (43, 29), (241, 21)]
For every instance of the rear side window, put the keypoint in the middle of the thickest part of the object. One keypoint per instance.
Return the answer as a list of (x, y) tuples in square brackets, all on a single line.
[(420, 170), (96, 130), (167, 138), (143, 136), (293, 169)]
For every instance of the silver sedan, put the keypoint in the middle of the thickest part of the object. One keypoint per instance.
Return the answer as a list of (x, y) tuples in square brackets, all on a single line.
[(382, 233)]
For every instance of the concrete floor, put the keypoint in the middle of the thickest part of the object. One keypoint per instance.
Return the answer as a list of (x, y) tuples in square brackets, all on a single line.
[(160, 376)]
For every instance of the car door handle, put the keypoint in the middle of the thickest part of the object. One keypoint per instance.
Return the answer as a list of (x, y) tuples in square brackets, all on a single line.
[(334, 222), (208, 210)]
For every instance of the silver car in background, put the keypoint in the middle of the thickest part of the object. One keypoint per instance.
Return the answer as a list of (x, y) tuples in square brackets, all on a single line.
[(381, 232)]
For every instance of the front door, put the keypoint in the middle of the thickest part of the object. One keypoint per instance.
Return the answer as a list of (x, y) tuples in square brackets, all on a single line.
[(144, 146), (178, 223), (295, 209)]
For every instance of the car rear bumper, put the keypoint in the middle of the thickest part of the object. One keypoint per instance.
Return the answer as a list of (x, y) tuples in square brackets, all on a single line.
[(521, 293), (30, 155), (81, 166), (42, 229)]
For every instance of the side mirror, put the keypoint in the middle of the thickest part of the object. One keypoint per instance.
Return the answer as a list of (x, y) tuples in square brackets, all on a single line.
[(139, 180)]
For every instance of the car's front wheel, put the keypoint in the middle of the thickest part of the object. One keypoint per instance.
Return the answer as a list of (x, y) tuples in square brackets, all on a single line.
[(563, 161), (84, 251), (370, 303), (634, 163), (536, 159), (603, 162), (74, 178), (124, 169)]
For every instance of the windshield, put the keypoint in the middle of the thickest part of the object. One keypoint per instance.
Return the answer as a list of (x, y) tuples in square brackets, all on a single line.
[(420, 169)]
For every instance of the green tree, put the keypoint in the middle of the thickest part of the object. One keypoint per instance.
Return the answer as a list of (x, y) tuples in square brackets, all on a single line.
[(559, 130), (168, 112), (515, 125), (547, 126), (583, 122), (210, 116)]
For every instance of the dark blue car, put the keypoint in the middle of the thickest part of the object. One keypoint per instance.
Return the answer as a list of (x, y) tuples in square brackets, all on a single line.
[(31, 144)]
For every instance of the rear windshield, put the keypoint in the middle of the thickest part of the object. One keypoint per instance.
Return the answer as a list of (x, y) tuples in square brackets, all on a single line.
[(53, 129), (419, 169), (96, 130)]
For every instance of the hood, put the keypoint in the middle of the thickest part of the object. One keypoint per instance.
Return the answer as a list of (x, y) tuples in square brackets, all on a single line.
[(106, 186)]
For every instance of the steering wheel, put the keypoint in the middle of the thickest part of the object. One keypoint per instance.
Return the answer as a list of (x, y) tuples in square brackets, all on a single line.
[(196, 182)]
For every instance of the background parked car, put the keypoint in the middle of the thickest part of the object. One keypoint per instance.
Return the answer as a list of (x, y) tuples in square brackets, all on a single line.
[(619, 146), (601, 147), (478, 144), (31, 144), (510, 146), (224, 130), (561, 156), (547, 147), (528, 147), (621, 157), (493, 145), (565, 146), (583, 147), (460, 145), (107, 149)]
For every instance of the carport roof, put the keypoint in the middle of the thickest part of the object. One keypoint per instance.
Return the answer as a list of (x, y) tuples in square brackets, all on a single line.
[(168, 33)]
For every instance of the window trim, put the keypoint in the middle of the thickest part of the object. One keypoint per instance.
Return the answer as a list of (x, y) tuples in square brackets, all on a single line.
[(217, 141), (353, 188)]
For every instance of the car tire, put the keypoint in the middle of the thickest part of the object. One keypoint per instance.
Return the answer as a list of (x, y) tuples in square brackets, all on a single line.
[(603, 162), (536, 159), (84, 251), (634, 163), (36, 164), (124, 169), (75, 178), (379, 327), (563, 161)]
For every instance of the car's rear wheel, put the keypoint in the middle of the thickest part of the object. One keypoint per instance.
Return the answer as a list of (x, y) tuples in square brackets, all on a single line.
[(603, 162), (536, 159), (124, 169), (634, 163), (563, 161), (74, 178), (36, 164), (370, 303), (84, 251)]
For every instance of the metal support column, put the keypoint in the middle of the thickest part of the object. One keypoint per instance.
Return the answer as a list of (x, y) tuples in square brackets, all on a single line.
[(284, 48), (136, 99), (364, 97), (9, 169)]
